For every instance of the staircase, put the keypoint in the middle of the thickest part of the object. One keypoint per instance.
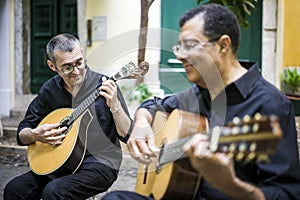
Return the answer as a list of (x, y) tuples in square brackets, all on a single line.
[(8, 129), (9, 124)]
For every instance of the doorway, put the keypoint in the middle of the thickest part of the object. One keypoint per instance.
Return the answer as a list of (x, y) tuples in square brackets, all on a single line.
[(48, 18)]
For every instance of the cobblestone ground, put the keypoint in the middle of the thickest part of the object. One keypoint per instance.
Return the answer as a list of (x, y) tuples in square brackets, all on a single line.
[(13, 162)]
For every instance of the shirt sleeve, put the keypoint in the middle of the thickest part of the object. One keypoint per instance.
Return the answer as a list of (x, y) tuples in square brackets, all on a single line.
[(190, 100), (33, 116), (49, 98), (167, 104), (280, 179)]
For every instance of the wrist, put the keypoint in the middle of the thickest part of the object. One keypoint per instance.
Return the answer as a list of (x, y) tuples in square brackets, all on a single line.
[(27, 136), (141, 122), (244, 189), (115, 109), (32, 135)]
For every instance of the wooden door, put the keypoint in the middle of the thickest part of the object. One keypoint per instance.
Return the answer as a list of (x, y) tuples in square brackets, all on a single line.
[(48, 18)]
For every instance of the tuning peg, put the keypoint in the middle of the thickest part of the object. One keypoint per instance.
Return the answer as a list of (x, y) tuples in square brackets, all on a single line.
[(226, 131), (232, 147), (257, 117), (250, 157), (245, 129), (236, 120), (230, 155), (235, 130), (240, 156), (246, 119), (255, 127), (253, 146), (242, 147)]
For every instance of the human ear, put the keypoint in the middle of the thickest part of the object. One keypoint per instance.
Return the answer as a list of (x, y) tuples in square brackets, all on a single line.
[(225, 43), (51, 65)]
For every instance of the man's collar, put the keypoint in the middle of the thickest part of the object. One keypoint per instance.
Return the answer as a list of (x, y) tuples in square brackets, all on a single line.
[(238, 90), (245, 83)]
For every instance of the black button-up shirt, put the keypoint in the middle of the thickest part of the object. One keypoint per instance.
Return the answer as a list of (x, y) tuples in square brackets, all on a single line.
[(250, 94)]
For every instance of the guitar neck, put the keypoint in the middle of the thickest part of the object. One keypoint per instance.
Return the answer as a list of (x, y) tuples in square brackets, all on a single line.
[(246, 142), (83, 106), (129, 71)]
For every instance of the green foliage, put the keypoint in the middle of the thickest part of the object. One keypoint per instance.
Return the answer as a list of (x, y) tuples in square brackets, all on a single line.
[(241, 8), (290, 80), (138, 93), (141, 93)]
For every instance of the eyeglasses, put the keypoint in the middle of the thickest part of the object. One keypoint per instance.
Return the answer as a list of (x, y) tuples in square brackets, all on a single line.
[(188, 45), (67, 69)]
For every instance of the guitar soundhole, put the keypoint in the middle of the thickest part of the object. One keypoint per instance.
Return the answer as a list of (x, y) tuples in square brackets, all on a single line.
[(65, 122)]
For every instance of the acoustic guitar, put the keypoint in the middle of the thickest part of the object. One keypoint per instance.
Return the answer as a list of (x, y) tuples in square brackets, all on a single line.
[(55, 161), (170, 176)]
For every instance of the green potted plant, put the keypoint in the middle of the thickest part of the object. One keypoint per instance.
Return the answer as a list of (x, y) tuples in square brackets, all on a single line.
[(290, 86)]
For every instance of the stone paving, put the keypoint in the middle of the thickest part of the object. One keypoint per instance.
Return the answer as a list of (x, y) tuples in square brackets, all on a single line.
[(13, 162)]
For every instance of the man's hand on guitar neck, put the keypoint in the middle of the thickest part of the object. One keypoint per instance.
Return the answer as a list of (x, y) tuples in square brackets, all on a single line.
[(47, 133), (109, 92), (141, 144)]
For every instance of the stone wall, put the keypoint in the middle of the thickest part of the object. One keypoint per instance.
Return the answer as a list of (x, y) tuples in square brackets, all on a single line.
[(269, 41)]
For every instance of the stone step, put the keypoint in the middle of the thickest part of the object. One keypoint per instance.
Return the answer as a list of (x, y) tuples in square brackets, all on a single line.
[(10, 125), (12, 147), (17, 112), (9, 141), (8, 133)]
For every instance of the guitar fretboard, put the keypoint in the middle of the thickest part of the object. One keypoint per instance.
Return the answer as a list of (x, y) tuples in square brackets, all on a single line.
[(129, 71), (83, 106)]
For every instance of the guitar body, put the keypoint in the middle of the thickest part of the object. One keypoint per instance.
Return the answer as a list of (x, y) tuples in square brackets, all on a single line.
[(176, 180), (55, 161), (170, 175)]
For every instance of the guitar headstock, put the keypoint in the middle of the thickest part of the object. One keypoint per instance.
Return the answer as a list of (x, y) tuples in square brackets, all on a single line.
[(247, 139), (131, 71)]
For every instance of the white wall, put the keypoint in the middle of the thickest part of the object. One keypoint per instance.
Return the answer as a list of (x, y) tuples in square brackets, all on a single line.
[(121, 44), (5, 86)]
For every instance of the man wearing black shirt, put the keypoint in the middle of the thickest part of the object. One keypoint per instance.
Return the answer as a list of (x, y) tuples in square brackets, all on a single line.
[(74, 82), (224, 89)]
